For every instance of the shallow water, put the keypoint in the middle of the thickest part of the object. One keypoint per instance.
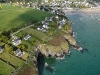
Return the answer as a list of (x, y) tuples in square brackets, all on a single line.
[(87, 31)]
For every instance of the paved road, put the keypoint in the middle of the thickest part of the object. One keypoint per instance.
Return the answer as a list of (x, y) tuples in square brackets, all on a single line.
[(22, 29)]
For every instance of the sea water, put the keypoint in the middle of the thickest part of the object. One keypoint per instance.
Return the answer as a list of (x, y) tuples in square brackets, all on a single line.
[(87, 35)]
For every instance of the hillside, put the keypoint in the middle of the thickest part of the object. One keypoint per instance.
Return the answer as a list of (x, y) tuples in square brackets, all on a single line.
[(14, 16)]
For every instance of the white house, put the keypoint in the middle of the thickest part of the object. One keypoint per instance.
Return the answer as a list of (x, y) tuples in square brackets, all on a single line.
[(64, 20), (46, 1), (1, 49), (45, 26), (27, 37), (56, 17), (61, 23), (16, 42), (51, 19), (40, 28)]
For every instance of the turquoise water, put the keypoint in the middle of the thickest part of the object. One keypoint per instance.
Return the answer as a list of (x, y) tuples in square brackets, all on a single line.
[(87, 31)]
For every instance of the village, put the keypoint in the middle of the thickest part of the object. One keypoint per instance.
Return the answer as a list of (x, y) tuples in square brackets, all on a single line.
[(60, 4)]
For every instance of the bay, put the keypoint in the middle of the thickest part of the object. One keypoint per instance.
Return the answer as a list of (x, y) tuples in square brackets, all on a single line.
[(87, 35)]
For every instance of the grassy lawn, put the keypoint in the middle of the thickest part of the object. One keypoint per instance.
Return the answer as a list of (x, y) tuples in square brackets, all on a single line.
[(27, 70), (25, 56), (36, 33), (14, 16), (10, 58), (56, 44), (56, 49), (5, 69), (28, 44)]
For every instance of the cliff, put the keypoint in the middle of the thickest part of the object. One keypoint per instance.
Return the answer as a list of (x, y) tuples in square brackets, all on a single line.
[(58, 46)]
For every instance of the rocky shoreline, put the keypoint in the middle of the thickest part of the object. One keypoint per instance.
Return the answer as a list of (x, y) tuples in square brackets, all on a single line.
[(61, 53), (67, 40)]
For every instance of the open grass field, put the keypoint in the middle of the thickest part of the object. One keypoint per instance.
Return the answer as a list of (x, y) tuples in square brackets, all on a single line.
[(25, 56), (15, 16), (28, 44), (5, 69), (10, 58), (36, 33), (27, 70)]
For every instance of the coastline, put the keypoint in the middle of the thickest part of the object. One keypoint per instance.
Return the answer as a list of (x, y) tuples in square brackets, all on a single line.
[(58, 51), (61, 55), (87, 11)]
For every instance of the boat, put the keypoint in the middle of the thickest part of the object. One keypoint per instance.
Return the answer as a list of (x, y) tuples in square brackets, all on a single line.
[(49, 68)]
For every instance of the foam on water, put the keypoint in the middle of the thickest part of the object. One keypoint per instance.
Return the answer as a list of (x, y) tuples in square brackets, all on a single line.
[(87, 31)]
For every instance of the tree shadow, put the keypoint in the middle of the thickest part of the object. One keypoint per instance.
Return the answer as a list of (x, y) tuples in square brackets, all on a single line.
[(28, 16), (41, 63)]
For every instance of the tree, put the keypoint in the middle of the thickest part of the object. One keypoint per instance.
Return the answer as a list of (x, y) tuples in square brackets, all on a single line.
[(0, 6), (53, 24), (66, 27), (6, 33), (4, 38), (22, 47), (11, 51)]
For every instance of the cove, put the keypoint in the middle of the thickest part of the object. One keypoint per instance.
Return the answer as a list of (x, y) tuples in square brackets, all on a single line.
[(40, 63), (87, 35)]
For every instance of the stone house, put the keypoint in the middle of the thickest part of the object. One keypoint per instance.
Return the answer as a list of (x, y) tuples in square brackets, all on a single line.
[(19, 53)]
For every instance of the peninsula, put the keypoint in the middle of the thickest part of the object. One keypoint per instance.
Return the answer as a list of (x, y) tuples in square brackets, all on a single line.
[(32, 28)]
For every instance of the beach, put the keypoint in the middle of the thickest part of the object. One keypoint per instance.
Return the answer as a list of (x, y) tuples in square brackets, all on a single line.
[(88, 10)]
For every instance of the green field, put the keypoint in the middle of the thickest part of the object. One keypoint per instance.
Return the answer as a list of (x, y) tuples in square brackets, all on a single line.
[(14, 16), (10, 58), (36, 33), (5, 69)]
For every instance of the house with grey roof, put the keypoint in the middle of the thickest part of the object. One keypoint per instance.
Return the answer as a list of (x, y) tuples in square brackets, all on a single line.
[(51, 19), (40, 28), (16, 41), (1, 49), (61, 23), (19, 53), (27, 37), (43, 27)]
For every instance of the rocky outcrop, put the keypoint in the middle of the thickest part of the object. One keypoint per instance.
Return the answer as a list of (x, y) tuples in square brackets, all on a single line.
[(54, 51), (58, 50), (72, 41), (61, 49)]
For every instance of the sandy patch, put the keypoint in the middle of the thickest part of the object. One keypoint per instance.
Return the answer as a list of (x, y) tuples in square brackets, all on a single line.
[(88, 11)]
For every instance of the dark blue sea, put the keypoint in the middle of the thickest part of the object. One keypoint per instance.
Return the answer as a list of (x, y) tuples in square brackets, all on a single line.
[(87, 35)]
